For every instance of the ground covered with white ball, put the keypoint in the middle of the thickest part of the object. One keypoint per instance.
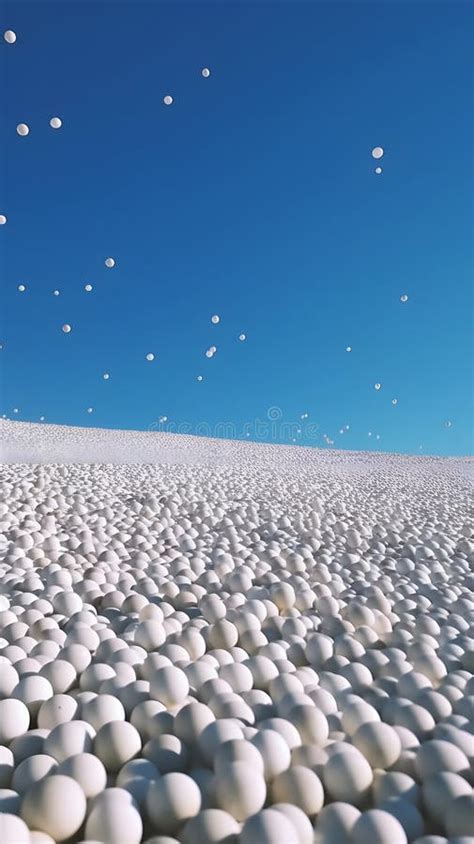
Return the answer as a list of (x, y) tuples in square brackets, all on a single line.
[(208, 642)]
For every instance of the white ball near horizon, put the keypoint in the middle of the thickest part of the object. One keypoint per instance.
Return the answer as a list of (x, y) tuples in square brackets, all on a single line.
[(378, 170), (66, 328), (3, 219), (22, 129), (168, 99), (150, 356), (377, 152), (348, 348), (55, 292), (110, 262), (9, 36), (205, 72), (21, 288), (88, 288), (106, 376), (199, 378), (215, 319), (242, 337), (55, 123)]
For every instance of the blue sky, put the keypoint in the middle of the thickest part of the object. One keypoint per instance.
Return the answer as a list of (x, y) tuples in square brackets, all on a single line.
[(253, 196)]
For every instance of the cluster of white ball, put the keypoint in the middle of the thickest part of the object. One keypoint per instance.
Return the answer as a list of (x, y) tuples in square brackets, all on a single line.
[(261, 651)]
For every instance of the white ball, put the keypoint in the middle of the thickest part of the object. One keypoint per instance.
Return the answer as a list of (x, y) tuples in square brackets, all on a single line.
[(205, 72), (3, 219), (150, 356), (242, 337), (167, 99), (301, 787), (13, 830), (21, 288), (22, 129), (274, 751), (347, 776), (14, 719), (114, 818), (240, 790), (268, 827), (212, 826), (215, 319), (335, 823), (378, 827), (9, 36), (169, 685), (116, 743), (55, 805), (55, 123), (172, 800), (68, 739), (110, 262), (404, 297), (67, 328), (377, 152), (379, 743), (378, 170), (87, 770), (88, 288)]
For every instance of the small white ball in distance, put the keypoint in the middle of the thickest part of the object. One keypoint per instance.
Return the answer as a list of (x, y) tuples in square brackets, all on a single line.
[(404, 297), (88, 288), (21, 288), (67, 328), (377, 152), (55, 123), (199, 378), (55, 292), (172, 800), (23, 130), (3, 219), (150, 356), (9, 36), (55, 805), (242, 337), (90, 409), (168, 99), (215, 319), (110, 262), (378, 827), (205, 72), (378, 170)]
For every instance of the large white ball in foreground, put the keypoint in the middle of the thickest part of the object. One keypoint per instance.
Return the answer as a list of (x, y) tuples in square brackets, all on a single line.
[(9, 36), (378, 827), (23, 130), (114, 818), (268, 827), (172, 800), (377, 152), (169, 685), (55, 805), (13, 830), (347, 776)]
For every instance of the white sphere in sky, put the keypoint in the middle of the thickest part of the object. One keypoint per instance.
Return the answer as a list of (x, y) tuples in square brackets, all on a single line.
[(168, 99), (66, 328), (22, 129), (110, 262), (348, 348), (242, 337), (3, 219), (21, 288), (90, 409), (404, 298), (377, 386), (88, 288), (448, 423), (55, 292), (215, 319), (205, 72), (394, 401), (209, 353), (9, 36), (378, 170), (55, 123), (377, 152), (106, 376), (150, 356), (199, 378)]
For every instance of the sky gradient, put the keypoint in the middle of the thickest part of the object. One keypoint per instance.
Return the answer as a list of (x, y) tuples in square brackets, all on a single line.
[(253, 196)]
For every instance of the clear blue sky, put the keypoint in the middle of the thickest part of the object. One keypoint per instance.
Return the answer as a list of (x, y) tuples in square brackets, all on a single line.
[(253, 197)]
